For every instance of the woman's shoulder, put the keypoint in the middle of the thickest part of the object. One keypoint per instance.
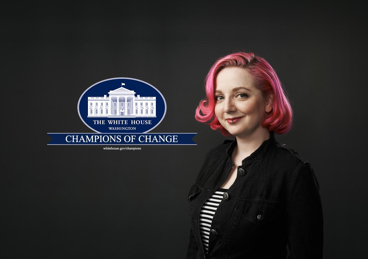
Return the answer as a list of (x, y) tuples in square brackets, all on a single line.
[(214, 157), (218, 153), (294, 165), (289, 151), (221, 150)]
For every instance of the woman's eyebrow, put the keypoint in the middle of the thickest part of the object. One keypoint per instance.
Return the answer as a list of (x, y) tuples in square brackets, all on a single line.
[(234, 89), (241, 87)]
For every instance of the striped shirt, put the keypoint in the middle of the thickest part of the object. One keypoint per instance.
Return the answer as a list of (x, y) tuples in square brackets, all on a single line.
[(207, 213)]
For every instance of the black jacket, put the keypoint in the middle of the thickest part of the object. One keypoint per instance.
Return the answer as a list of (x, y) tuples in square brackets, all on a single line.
[(273, 209)]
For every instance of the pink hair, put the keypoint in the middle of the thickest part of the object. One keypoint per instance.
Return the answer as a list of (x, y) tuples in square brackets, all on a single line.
[(279, 120)]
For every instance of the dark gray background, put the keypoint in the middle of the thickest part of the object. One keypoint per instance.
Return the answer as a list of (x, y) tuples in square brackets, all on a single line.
[(83, 202)]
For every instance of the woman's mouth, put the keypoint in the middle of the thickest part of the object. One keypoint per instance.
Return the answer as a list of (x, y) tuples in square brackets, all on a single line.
[(233, 120)]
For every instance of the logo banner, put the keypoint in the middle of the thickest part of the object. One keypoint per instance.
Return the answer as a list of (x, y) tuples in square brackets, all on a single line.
[(121, 139), (121, 111)]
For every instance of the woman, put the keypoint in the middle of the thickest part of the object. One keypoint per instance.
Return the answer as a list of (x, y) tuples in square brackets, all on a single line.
[(253, 197)]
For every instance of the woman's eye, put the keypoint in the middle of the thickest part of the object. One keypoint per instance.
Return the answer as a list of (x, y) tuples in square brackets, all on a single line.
[(219, 98), (242, 95)]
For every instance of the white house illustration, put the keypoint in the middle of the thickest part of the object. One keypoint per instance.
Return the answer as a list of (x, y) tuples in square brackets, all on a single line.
[(122, 102)]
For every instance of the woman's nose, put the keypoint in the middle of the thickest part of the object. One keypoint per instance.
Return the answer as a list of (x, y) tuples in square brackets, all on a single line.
[(229, 105)]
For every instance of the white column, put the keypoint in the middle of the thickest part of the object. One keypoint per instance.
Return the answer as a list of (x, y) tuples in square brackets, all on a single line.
[(117, 105), (110, 104), (133, 105), (154, 108), (126, 106)]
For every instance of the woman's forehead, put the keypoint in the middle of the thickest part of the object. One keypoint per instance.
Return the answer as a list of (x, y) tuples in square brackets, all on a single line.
[(234, 77)]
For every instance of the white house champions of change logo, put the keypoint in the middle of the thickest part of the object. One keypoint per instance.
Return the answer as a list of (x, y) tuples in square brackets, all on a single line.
[(122, 105), (121, 110)]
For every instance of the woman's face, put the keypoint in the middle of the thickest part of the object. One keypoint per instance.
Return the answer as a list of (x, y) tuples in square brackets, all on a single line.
[(240, 106)]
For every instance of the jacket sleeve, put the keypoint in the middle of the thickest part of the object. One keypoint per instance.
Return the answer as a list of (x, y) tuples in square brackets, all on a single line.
[(192, 247), (304, 215)]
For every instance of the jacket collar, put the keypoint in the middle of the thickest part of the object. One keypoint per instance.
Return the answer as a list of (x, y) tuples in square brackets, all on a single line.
[(257, 154)]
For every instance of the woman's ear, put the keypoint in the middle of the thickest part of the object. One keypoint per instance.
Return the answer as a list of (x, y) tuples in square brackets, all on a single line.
[(269, 102)]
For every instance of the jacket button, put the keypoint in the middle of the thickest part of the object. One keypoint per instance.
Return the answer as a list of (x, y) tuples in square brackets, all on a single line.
[(226, 196), (241, 171), (259, 216), (214, 232)]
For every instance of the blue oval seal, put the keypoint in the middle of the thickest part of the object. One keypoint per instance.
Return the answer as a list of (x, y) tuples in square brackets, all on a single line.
[(121, 105)]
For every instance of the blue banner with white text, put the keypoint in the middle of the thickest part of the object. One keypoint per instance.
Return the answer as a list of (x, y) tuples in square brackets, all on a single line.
[(122, 139)]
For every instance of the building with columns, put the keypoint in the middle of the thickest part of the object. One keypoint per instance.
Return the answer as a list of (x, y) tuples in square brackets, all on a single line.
[(121, 103)]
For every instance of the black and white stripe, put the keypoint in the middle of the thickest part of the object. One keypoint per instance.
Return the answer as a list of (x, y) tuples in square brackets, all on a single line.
[(207, 213)]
